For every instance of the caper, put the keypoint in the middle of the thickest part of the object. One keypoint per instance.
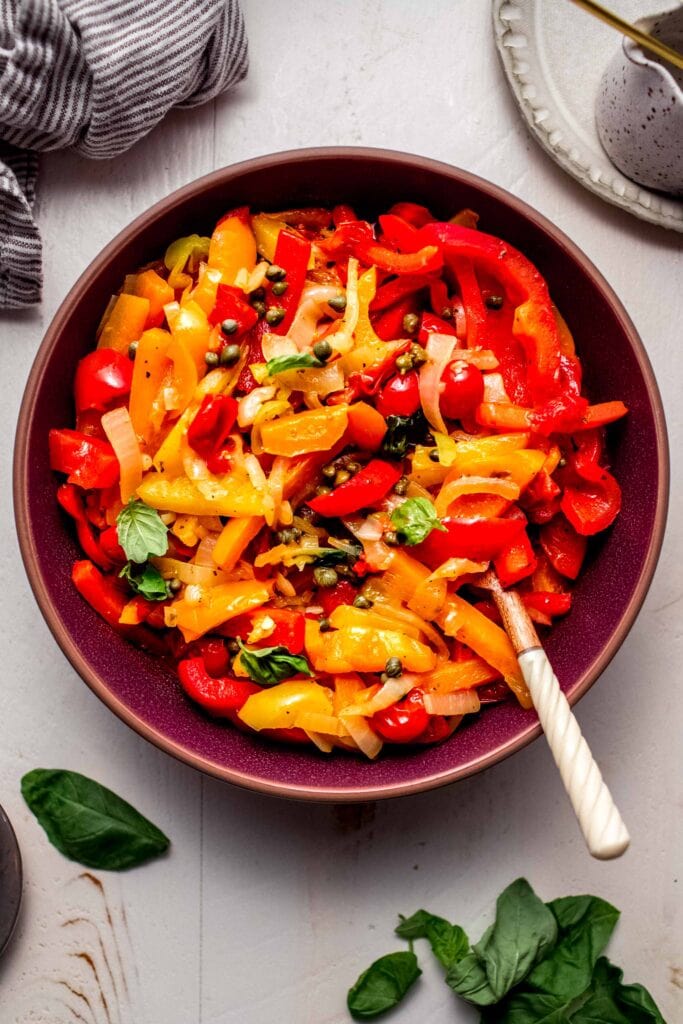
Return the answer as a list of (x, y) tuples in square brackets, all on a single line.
[(410, 322), (447, 313), (494, 301), (562, 463), (393, 667), (404, 362), (132, 349), (362, 602), (401, 486), (341, 477), (320, 491), (434, 455), (211, 358), (418, 354), (280, 287), (229, 326), (337, 303), (391, 538), (175, 585), (325, 577), (260, 308), (329, 471), (257, 295), (322, 350), (285, 536), (353, 467), (230, 355), (275, 315), (275, 273), (233, 646), (324, 625)]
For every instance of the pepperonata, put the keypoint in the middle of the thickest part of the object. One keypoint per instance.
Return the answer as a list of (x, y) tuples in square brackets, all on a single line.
[(298, 445)]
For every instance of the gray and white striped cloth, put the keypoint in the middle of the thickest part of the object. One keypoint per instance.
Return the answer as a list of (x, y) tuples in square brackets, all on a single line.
[(96, 75)]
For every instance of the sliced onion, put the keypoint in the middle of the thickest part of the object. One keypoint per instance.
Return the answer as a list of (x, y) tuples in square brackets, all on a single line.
[(406, 616), (122, 437), (284, 586), (370, 529), (329, 725), (195, 468), (248, 407), (464, 702), (494, 388), (482, 358), (439, 351), (204, 553), (276, 483), (342, 340), (387, 695), (188, 572), (312, 307), (365, 738), (454, 489), (274, 345), (257, 276), (323, 745)]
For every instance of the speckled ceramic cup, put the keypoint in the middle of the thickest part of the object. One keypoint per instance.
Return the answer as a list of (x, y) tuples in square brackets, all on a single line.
[(143, 692), (639, 109)]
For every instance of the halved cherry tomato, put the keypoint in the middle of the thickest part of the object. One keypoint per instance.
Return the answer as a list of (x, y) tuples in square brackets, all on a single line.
[(101, 377), (400, 396), (463, 389), (404, 721)]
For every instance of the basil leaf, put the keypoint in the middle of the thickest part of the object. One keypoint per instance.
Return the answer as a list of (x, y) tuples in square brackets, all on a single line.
[(335, 556), (609, 1002), (403, 432), (383, 985), (448, 941), (415, 519), (270, 665), (525, 930), (468, 979), (528, 1008), (301, 361), (149, 583), (585, 924), (140, 531), (88, 823)]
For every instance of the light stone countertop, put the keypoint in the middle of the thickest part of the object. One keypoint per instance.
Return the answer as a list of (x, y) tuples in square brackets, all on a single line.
[(266, 911)]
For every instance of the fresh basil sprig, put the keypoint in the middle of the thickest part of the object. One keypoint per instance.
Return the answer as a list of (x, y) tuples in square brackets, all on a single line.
[(88, 823), (301, 361), (415, 519), (140, 531), (148, 582), (383, 985), (268, 666), (539, 963), (403, 432)]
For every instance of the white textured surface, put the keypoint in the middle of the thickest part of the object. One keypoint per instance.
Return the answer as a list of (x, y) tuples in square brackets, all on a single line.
[(265, 912)]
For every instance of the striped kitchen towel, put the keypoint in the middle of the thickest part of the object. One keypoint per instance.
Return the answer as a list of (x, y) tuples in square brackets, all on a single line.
[(96, 75)]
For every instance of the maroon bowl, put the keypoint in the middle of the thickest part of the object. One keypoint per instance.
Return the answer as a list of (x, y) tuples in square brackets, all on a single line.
[(146, 695)]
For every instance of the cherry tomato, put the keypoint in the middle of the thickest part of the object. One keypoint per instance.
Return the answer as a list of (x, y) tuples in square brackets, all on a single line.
[(404, 721), (400, 396), (463, 391), (101, 377)]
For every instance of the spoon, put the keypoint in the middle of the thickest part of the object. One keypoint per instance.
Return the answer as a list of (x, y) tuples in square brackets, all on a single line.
[(602, 826), (644, 39), (10, 880)]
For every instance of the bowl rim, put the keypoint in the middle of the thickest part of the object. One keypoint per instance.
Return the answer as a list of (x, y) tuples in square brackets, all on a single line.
[(245, 779)]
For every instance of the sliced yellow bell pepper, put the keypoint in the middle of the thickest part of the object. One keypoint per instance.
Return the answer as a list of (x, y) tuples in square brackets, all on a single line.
[(204, 292), (347, 615), (149, 373), (125, 322), (169, 456), (472, 457), (266, 230), (218, 604), (368, 347), (279, 707), (233, 246), (190, 326), (236, 535), (315, 430), (467, 624), (459, 675), (357, 649), (185, 377), (230, 496)]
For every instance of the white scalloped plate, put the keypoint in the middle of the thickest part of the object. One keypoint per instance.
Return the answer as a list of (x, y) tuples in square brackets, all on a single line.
[(554, 55)]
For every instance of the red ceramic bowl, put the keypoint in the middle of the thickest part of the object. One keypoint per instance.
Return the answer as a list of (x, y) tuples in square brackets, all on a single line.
[(610, 592)]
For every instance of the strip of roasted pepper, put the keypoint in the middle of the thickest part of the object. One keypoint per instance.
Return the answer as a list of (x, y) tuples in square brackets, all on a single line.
[(368, 486)]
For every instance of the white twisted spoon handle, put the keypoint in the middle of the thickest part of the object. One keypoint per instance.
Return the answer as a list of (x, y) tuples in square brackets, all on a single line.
[(602, 826)]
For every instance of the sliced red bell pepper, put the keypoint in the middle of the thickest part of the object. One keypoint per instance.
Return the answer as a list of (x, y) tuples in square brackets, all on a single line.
[(550, 604), (102, 377), (292, 253), (438, 729), (332, 597), (87, 461), (541, 499), (347, 235), (516, 561), (109, 542), (564, 547), (388, 325), (397, 232), (69, 497), (534, 322), (479, 539), (222, 697), (367, 382), (396, 289), (210, 428), (404, 721), (493, 693), (438, 298), (601, 414), (246, 381), (213, 651), (432, 324), (368, 486), (559, 415), (592, 506), (289, 628), (415, 214), (343, 214), (424, 261), (101, 592), (232, 305)]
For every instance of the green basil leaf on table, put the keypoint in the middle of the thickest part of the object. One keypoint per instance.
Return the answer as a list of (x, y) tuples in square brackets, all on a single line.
[(528, 1008), (468, 979), (383, 985), (300, 361), (89, 823), (140, 531), (448, 941), (415, 519), (270, 665), (524, 932), (149, 583), (608, 1001)]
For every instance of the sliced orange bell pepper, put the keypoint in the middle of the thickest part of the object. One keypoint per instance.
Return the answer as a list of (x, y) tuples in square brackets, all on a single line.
[(236, 535), (467, 624), (367, 426), (125, 323), (233, 245), (149, 373), (460, 675), (152, 286), (218, 604), (185, 377), (316, 430), (189, 324), (204, 293)]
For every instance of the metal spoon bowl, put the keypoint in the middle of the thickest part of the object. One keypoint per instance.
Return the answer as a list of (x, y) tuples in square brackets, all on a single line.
[(10, 881)]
